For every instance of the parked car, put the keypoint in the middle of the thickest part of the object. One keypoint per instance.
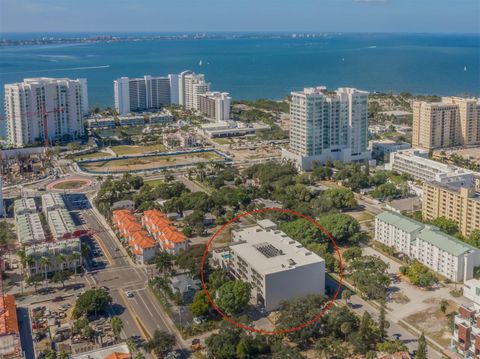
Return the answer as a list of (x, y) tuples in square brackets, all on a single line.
[(129, 294), (57, 299)]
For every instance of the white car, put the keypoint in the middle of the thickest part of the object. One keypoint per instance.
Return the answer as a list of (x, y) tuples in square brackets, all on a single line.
[(198, 320), (129, 294)]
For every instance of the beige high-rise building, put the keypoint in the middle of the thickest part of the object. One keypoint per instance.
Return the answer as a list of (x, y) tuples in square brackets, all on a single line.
[(215, 105), (469, 116), (454, 121), (460, 204)]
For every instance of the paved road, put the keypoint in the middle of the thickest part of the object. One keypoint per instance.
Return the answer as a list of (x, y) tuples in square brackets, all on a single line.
[(110, 246), (395, 330), (25, 332)]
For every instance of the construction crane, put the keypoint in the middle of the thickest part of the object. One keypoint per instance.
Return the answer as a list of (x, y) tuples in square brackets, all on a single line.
[(44, 115)]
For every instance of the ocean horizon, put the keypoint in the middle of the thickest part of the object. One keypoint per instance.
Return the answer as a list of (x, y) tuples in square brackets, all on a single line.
[(252, 67)]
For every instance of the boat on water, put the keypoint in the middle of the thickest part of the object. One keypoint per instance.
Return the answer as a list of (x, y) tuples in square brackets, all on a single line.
[(200, 63)]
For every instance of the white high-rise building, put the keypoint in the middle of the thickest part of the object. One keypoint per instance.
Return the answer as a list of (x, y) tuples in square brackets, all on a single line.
[(140, 94), (2, 208), (215, 105), (39, 107), (193, 85), (181, 86), (328, 126), (174, 92)]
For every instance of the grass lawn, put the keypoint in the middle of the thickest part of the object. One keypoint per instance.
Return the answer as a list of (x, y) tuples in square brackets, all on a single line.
[(151, 162), (137, 150), (433, 322), (154, 182), (90, 156), (222, 141), (70, 185)]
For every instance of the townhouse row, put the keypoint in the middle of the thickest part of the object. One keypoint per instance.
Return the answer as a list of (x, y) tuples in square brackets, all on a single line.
[(50, 246), (154, 232)]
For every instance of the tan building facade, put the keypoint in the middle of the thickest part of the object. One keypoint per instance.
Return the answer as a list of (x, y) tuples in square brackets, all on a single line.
[(454, 121), (459, 204)]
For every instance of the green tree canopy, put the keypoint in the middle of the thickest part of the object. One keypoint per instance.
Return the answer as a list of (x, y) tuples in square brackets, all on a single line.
[(92, 302), (161, 343), (233, 296)]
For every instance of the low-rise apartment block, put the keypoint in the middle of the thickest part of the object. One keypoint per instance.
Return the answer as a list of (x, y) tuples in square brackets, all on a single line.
[(440, 252), (49, 257), (461, 204), (466, 332), (231, 129), (161, 117), (52, 201), (416, 163), (131, 120), (29, 228), (162, 229), (48, 249), (24, 205), (278, 267), (61, 224), (382, 148), (141, 244), (101, 122)]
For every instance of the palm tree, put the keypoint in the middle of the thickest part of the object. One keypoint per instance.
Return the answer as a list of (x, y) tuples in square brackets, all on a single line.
[(23, 257), (74, 257), (346, 329), (346, 295), (117, 326), (85, 250), (132, 346), (61, 258), (45, 262), (163, 262)]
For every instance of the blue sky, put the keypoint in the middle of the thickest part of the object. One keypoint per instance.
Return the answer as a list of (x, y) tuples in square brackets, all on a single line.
[(453, 16)]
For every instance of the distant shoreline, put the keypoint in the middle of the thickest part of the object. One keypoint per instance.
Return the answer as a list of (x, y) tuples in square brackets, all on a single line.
[(26, 39)]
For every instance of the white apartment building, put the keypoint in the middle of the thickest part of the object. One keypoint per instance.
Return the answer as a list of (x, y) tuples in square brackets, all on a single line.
[(415, 162), (471, 290), (231, 128), (277, 267), (101, 122), (140, 94), (60, 255), (440, 252), (61, 224), (24, 205), (29, 228), (39, 107), (326, 126), (52, 201), (193, 85), (131, 120), (215, 105), (161, 117)]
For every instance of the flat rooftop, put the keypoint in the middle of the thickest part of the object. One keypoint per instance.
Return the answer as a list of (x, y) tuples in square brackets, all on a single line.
[(270, 250)]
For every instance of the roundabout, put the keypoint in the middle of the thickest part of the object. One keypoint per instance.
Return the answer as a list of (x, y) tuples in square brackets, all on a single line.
[(70, 184)]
